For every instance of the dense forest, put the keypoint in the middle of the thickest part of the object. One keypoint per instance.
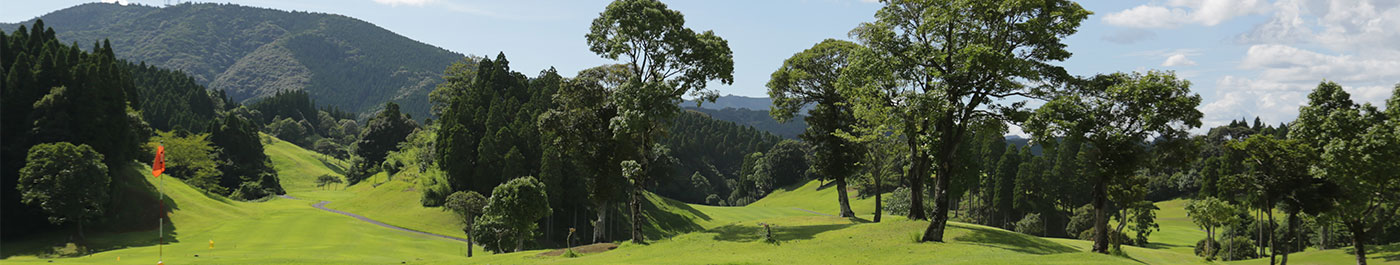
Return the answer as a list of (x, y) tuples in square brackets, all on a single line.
[(758, 119), (254, 53)]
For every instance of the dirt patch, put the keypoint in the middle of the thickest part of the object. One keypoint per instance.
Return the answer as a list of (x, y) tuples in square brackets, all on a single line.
[(585, 249)]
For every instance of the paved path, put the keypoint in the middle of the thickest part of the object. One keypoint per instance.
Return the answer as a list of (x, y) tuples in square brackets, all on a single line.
[(322, 205)]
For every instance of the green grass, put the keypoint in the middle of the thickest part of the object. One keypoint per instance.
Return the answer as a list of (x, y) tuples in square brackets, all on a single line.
[(278, 231), (282, 231)]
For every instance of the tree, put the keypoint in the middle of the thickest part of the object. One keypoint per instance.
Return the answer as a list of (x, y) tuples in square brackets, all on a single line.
[(383, 134), (244, 163), (192, 158), (949, 64), (579, 124), (666, 60), (1210, 213), (326, 180), (1116, 114), (1277, 169), (517, 204), (66, 181), (810, 78), (467, 205), (1358, 147)]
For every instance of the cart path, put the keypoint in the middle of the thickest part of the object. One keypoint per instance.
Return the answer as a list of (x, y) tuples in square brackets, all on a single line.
[(322, 205)]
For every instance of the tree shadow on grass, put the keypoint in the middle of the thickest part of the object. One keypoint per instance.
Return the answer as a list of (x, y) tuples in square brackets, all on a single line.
[(1386, 252), (131, 219), (1010, 240), (334, 167), (663, 223), (1160, 245), (744, 233)]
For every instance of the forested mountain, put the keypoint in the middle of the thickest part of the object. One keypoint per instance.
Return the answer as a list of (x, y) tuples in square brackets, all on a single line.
[(255, 52), (758, 119), (733, 101)]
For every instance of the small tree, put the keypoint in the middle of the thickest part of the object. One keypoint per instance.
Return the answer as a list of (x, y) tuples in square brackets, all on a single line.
[(517, 204), (68, 182), (326, 180), (1210, 213), (467, 205)]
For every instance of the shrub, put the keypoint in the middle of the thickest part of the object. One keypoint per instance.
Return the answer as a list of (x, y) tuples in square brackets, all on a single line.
[(897, 203), (1112, 234), (1201, 248), (713, 200), (1238, 248), (1082, 220), (1031, 225)]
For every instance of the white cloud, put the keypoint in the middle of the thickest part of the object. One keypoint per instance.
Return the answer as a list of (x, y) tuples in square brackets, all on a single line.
[(405, 2), (119, 2), (1181, 12), (1178, 60)]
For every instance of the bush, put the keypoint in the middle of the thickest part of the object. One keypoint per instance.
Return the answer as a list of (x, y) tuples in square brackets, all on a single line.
[(1121, 237), (713, 200), (897, 203), (1238, 248), (1031, 225), (1201, 248), (1082, 220)]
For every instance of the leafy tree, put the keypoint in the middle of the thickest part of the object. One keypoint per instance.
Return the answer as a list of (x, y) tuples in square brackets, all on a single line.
[(192, 158), (1277, 169), (383, 134), (947, 65), (1210, 213), (467, 205), (1358, 146), (241, 150), (517, 205), (666, 60), (810, 78), (327, 180), (1116, 114), (579, 125), (68, 182)]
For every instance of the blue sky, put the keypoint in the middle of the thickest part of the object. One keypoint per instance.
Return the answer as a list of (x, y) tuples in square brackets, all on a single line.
[(1245, 57)]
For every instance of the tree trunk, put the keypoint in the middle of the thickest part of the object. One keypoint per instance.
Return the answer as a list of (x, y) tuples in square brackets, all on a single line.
[(1100, 217), (469, 241), (636, 206), (520, 242), (1122, 223), (939, 220), (843, 199), (1292, 236), (1358, 240), (1326, 232), (915, 177), (81, 237), (1210, 248), (600, 227), (878, 206), (1273, 244)]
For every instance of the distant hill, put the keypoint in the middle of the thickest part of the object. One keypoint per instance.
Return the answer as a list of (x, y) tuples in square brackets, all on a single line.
[(255, 52), (732, 101), (758, 119)]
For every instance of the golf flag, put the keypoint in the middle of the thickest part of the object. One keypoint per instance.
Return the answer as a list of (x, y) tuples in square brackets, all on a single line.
[(158, 166)]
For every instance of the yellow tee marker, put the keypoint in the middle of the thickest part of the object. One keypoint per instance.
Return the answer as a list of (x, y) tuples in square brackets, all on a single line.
[(211, 244)]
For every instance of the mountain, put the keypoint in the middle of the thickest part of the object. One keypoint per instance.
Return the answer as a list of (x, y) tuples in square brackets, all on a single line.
[(255, 52), (758, 119), (732, 101)]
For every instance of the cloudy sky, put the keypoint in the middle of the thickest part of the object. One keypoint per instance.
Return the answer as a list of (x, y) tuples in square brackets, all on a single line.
[(1245, 57)]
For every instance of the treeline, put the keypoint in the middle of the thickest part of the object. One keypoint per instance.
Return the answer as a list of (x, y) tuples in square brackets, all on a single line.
[(758, 119), (77, 119)]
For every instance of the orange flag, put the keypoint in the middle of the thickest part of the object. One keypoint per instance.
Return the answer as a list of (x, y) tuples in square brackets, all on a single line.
[(158, 166)]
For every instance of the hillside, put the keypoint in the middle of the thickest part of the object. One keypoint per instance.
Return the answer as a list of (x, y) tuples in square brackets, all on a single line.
[(758, 119), (254, 52)]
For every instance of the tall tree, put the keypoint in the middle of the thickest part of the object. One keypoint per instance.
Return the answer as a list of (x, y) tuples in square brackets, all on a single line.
[(66, 181), (1358, 146), (1116, 114), (579, 124), (383, 134), (1277, 169), (666, 61), (810, 78), (959, 63)]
